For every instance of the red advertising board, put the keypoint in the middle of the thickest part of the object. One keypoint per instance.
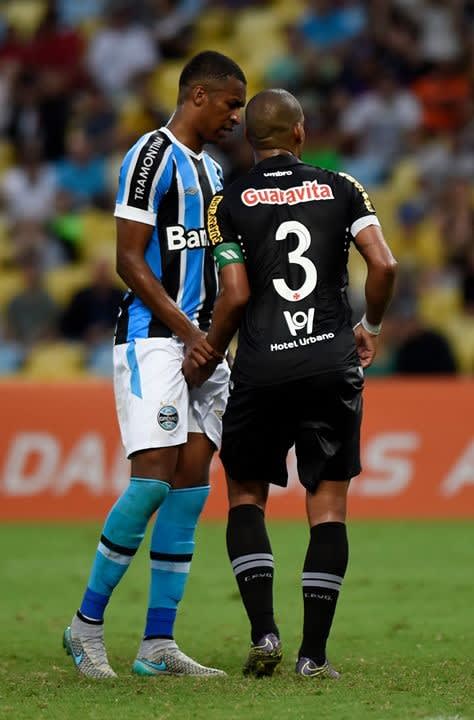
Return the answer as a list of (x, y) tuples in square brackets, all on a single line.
[(61, 456)]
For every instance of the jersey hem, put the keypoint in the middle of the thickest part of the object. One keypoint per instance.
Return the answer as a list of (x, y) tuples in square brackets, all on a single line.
[(278, 381)]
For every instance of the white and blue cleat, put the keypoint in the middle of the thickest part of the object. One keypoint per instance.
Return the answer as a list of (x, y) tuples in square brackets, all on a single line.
[(163, 657), (85, 644)]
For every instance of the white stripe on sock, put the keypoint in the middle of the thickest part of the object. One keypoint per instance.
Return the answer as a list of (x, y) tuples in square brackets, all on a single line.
[(321, 584), (251, 556), (254, 564), (114, 556)]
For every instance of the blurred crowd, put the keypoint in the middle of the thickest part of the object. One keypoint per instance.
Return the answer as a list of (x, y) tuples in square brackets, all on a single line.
[(386, 87)]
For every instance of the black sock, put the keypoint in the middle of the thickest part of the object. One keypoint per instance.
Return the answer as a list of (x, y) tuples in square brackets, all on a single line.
[(251, 556), (324, 568)]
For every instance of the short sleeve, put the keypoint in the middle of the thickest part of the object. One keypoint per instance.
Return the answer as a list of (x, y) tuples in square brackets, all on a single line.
[(145, 177), (361, 211), (219, 223)]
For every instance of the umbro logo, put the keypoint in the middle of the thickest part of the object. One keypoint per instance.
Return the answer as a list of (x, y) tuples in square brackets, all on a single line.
[(191, 191)]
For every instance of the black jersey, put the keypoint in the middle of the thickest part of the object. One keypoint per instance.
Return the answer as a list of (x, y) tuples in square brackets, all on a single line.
[(294, 223)]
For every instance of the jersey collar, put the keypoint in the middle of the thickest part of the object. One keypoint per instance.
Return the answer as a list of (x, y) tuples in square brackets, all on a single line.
[(185, 148), (277, 161)]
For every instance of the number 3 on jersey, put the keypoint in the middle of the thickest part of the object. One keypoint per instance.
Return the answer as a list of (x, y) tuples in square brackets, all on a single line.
[(296, 257)]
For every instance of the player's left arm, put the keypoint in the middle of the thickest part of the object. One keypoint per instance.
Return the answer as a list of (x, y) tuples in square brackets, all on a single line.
[(234, 290), (230, 305), (233, 281)]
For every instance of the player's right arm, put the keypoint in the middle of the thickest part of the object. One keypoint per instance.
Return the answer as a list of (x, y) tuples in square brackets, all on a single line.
[(381, 267), (145, 177), (379, 284), (132, 240)]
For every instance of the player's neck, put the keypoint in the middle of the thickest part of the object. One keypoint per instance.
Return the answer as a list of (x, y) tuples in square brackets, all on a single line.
[(273, 152), (184, 133)]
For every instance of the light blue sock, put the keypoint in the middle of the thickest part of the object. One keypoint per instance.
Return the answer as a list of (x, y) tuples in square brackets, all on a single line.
[(172, 547), (122, 534)]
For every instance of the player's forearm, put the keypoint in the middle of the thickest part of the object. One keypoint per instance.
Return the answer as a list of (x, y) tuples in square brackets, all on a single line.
[(225, 321), (379, 290)]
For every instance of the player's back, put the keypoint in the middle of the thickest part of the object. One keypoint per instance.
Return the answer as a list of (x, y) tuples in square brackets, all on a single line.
[(294, 225)]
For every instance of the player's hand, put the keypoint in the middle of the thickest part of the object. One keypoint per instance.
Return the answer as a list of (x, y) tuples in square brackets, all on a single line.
[(195, 375), (366, 344), (199, 350)]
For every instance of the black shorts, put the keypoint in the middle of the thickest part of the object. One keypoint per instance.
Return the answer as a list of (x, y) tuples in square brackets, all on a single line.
[(321, 415)]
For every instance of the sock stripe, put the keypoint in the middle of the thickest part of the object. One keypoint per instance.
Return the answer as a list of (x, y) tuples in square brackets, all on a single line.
[(176, 567), (251, 556), (113, 555), (255, 564), (120, 549), (322, 576), (88, 620), (321, 584), (171, 557)]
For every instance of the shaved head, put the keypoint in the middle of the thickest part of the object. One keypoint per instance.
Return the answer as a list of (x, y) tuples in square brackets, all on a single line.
[(271, 117)]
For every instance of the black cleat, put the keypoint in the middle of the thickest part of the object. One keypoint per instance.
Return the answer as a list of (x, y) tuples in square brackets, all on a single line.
[(264, 656)]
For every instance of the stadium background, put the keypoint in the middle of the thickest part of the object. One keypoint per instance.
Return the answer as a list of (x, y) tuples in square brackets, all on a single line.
[(387, 93)]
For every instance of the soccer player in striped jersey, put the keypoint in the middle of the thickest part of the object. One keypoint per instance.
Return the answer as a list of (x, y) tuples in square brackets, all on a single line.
[(169, 432)]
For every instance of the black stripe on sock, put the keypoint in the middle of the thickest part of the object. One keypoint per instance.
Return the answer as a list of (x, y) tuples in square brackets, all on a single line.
[(169, 557), (117, 548), (87, 620)]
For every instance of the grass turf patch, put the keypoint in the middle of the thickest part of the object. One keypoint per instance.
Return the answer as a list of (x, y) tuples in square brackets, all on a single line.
[(403, 635)]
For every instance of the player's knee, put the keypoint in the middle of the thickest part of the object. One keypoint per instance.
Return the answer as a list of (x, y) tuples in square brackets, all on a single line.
[(158, 463), (246, 493)]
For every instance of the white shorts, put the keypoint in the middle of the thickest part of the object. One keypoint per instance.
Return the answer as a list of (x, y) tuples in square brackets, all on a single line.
[(155, 407)]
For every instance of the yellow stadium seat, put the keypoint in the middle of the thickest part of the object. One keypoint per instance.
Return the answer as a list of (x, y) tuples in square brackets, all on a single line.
[(257, 37), (214, 25), (98, 234), (405, 180), (55, 361), (6, 245), (25, 15), (7, 155), (385, 203), (63, 282), (460, 331), (357, 270), (438, 306), (165, 83)]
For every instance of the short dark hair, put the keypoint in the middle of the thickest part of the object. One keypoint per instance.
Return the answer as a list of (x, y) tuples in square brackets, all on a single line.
[(209, 65)]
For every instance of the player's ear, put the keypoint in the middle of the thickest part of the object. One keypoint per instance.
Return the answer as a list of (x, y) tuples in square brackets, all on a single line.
[(299, 133), (199, 95)]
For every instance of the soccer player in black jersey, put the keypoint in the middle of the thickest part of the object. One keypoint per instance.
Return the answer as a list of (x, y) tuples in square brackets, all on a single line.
[(281, 237)]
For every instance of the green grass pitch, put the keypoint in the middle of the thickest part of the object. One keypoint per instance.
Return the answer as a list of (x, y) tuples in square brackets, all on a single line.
[(403, 635)]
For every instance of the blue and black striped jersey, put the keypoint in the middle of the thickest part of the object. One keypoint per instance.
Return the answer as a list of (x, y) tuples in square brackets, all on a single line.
[(166, 185)]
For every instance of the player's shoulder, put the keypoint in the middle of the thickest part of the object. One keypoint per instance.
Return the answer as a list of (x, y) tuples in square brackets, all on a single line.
[(151, 145), (212, 161), (214, 169), (324, 175)]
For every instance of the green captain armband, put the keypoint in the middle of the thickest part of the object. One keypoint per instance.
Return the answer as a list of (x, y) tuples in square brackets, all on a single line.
[(227, 253)]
